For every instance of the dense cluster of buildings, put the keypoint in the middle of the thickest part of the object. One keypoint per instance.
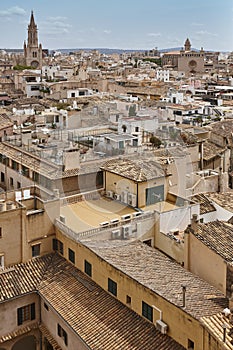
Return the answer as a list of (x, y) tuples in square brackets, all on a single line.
[(116, 199)]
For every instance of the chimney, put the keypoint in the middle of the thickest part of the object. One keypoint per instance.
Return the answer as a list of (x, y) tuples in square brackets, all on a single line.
[(71, 159), (194, 222), (184, 291)]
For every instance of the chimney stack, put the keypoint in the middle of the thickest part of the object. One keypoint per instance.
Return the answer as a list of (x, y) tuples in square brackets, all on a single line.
[(194, 222)]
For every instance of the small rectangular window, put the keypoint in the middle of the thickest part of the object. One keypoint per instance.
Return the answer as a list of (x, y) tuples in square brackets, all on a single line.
[(46, 307), (88, 268), (62, 333), (112, 287), (11, 181), (2, 261), (36, 250), (0, 232), (71, 254), (60, 247), (26, 313), (128, 300), (55, 245), (190, 344), (147, 311)]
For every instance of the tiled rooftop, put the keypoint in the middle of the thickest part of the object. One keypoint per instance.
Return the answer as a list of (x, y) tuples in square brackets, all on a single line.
[(99, 319), (211, 150), (22, 278), (205, 204), (137, 170), (162, 275), (214, 324), (96, 316), (217, 235), (5, 122), (223, 128), (224, 199)]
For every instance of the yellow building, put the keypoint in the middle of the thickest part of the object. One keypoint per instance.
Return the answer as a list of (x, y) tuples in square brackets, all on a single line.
[(26, 224), (148, 282)]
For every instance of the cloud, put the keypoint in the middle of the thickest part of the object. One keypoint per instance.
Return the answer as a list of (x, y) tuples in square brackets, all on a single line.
[(56, 26), (205, 32), (197, 24), (154, 35), (107, 31), (13, 11)]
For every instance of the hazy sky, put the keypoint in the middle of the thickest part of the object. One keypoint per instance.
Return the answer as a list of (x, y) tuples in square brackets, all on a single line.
[(127, 24)]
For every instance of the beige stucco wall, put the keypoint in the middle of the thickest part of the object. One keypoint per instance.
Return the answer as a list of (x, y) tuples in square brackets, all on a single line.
[(170, 247), (181, 325), (10, 243), (50, 319), (8, 312), (204, 262), (118, 184)]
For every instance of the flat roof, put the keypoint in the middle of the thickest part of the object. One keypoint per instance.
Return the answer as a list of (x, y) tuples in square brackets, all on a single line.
[(120, 137), (86, 215)]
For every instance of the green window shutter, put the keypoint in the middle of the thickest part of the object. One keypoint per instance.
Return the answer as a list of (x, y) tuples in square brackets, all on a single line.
[(20, 316), (33, 311)]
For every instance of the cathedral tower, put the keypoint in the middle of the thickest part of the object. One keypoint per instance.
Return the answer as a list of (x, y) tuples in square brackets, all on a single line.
[(33, 50)]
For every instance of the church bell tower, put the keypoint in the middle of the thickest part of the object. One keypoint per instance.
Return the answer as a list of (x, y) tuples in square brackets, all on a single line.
[(33, 50)]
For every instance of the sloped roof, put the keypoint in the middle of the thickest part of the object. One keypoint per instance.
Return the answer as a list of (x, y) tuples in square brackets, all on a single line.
[(22, 278), (211, 150), (205, 204), (99, 319), (163, 276), (223, 128), (217, 235), (96, 316), (224, 199), (137, 170)]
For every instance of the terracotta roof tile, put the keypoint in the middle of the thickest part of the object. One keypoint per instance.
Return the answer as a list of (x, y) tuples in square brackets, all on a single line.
[(163, 276), (99, 318), (205, 204), (137, 170), (217, 235)]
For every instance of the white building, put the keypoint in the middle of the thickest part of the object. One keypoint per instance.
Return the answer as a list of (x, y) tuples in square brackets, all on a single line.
[(163, 75)]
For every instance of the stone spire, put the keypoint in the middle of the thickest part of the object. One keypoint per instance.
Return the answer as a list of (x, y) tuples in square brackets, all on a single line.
[(32, 21), (32, 32), (187, 45)]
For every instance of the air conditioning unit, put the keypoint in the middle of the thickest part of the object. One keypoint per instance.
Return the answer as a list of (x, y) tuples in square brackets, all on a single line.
[(114, 221), (62, 219), (117, 197), (104, 224), (124, 197), (161, 326), (132, 199), (116, 234), (126, 231), (138, 213), (109, 194), (126, 217)]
